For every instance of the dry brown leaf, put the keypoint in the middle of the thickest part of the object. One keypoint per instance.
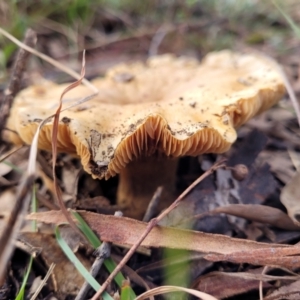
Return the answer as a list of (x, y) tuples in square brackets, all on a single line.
[(219, 285), (260, 276), (284, 257), (259, 213), (127, 231), (65, 277), (287, 292), (290, 198), (280, 162)]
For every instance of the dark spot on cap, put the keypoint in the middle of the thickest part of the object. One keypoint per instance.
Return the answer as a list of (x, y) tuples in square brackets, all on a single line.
[(37, 120), (66, 120), (110, 149), (171, 131)]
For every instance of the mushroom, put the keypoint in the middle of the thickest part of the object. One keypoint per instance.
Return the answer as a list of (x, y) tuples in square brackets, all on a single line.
[(147, 115)]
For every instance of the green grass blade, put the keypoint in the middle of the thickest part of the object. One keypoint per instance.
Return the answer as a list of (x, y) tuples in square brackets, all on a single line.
[(21, 293), (126, 293), (95, 242), (14, 167), (291, 22), (78, 265), (87, 231)]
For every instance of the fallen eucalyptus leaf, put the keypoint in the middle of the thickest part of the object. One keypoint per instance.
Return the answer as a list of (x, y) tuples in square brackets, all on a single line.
[(288, 292), (290, 198), (259, 213), (219, 285), (283, 257), (127, 231)]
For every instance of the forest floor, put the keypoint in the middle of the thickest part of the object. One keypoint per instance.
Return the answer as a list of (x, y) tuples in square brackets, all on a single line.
[(268, 145)]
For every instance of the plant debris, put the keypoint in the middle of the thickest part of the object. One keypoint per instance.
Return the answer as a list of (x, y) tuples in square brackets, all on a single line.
[(234, 233)]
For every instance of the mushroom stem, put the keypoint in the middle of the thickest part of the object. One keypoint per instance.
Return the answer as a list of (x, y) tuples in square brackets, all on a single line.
[(139, 180)]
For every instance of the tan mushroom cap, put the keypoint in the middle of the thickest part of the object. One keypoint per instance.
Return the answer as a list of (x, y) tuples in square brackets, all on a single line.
[(172, 106)]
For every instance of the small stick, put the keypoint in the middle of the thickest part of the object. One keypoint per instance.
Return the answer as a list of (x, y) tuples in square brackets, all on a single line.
[(260, 287), (44, 281), (49, 60), (153, 204), (16, 77), (13, 223), (102, 253), (157, 40), (153, 223), (11, 152)]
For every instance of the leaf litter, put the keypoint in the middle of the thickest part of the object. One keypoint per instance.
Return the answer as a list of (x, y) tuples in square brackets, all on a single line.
[(65, 280), (253, 202)]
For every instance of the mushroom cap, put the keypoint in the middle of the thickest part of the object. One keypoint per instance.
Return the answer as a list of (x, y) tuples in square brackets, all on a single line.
[(168, 105)]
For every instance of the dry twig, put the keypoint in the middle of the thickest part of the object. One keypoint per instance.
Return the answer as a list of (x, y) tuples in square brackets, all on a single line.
[(153, 204), (49, 60), (12, 225), (16, 77), (102, 253)]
